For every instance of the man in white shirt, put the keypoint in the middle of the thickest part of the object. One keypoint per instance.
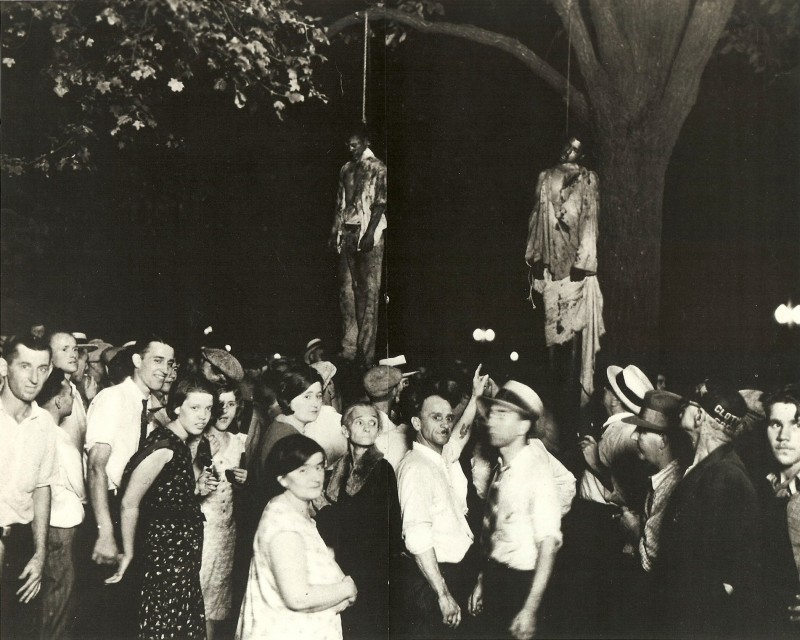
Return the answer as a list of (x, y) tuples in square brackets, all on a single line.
[(433, 500), (68, 494), (522, 526), (27, 459), (117, 428), (382, 384)]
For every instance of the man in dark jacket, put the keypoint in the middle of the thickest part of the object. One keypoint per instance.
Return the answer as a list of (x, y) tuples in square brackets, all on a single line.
[(707, 564)]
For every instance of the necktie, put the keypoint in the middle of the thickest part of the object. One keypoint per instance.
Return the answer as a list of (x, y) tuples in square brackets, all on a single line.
[(143, 425), (490, 515)]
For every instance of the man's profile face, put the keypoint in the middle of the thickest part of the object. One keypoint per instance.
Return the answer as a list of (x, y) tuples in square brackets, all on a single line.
[(783, 432), (27, 372), (65, 353), (155, 365), (357, 146)]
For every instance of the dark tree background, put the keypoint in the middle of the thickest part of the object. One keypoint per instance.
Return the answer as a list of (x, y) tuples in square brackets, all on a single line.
[(230, 229)]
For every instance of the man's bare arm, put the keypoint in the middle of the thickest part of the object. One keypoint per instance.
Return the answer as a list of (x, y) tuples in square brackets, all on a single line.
[(105, 549), (427, 563), (32, 573)]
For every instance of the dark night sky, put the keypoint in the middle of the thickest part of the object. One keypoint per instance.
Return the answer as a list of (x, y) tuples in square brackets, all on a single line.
[(231, 230)]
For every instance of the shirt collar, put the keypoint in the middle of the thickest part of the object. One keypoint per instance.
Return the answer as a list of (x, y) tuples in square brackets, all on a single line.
[(657, 478), (778, 479), (132, 389), (367, 154), (617, 417), (35, 412), (427, 451)]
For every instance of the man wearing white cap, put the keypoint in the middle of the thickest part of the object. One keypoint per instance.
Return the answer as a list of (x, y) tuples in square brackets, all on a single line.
[(522, 525)]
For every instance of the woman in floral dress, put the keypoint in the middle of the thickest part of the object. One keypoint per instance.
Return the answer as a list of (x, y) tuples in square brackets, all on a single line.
[(162, 525)]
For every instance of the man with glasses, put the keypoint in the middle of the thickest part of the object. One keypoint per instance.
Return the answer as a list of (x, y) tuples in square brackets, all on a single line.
[(357, 234), (433, 499), (118, 423)]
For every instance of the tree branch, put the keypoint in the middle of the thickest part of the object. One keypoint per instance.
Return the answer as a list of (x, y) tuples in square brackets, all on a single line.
[(571, 17), (577, 100), (702, 34), (610, 39)]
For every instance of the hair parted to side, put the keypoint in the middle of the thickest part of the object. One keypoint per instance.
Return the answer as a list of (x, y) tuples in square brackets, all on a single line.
[(288, 454), (293, 382), (181, 390), (11, 348), (788, 394), (143, 342)]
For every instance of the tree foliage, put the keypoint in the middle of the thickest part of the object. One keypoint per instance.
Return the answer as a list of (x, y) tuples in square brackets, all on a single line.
[(117, 65)]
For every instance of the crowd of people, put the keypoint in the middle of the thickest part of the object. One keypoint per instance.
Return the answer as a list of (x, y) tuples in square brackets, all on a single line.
[(154, 495)]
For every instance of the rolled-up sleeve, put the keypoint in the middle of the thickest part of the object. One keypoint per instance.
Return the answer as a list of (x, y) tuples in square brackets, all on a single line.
[(546, 509)]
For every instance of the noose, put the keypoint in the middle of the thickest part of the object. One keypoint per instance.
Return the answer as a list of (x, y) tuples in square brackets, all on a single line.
[(364, 74)]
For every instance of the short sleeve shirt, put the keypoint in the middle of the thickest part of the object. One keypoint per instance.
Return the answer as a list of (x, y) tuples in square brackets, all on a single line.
[(114, 418), (27, 462)]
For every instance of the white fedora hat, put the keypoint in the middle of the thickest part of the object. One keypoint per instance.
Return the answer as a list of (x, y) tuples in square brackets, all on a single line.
[(630, 385)]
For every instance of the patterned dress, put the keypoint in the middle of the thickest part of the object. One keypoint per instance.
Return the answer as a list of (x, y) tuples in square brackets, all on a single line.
[(219, 533), (169, 542)]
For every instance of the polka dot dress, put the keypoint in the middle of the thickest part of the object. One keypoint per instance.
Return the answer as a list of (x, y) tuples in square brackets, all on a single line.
[(169, 546)]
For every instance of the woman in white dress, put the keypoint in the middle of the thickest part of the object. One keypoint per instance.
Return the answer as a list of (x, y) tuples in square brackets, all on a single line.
[(295, 589), (222, 452)]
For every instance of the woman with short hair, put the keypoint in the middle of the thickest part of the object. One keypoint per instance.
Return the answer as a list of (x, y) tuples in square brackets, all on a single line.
[(295, 589)]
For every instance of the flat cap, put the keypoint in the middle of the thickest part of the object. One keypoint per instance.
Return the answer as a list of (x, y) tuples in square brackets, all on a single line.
[(225, 362)]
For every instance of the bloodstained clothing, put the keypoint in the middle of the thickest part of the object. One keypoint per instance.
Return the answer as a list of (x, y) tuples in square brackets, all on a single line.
[(362, 192), (562, 230)]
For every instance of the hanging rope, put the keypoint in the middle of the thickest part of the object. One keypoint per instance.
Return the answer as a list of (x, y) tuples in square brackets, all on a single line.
[(364, 76), (569, 62)]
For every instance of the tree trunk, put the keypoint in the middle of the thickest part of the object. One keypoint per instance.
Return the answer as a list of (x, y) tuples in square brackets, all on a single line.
[(632, 170)]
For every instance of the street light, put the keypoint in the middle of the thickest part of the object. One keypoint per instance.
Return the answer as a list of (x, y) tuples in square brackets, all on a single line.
[(788, 314), (514, 356)]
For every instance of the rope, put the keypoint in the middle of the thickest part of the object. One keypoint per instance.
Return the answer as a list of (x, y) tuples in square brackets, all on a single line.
[(569, 62), (364, 76)]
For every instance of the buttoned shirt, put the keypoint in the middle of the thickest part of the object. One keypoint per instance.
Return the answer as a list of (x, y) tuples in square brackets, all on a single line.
[(433, 502), (662, 484), (528, 510), (27, 462), (114, 418)]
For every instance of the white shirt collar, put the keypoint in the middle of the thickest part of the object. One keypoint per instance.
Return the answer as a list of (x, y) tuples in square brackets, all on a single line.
[(617, 417)]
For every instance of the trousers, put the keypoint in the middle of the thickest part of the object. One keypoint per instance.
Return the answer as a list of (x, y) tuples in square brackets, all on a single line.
[(359, 291), (58, 584)]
